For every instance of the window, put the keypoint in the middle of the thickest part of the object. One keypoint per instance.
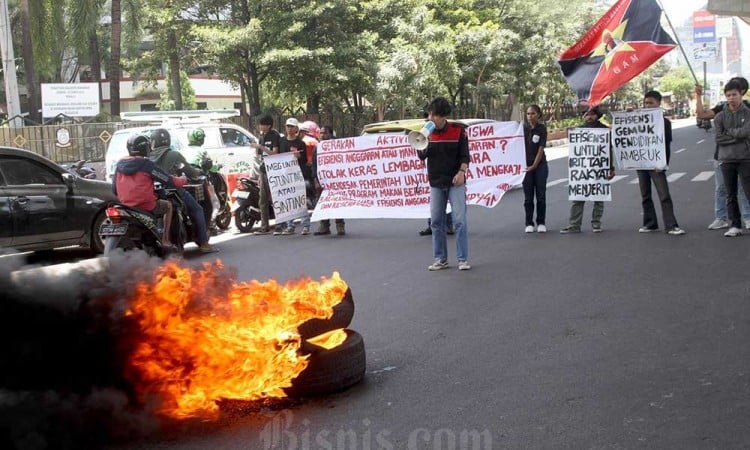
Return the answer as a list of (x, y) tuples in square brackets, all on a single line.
[(18, 171), (234, 138)]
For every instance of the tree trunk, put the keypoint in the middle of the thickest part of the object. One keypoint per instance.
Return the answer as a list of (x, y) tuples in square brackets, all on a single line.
[(32, 92), (114, 60), (254, 91), (174, 70), (96, 63)]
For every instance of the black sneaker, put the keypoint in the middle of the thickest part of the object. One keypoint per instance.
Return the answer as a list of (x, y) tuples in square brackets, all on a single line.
[(450, 230), (426, 232)]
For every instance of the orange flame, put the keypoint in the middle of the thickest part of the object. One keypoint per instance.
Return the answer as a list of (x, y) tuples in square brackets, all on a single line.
[(204, 337)]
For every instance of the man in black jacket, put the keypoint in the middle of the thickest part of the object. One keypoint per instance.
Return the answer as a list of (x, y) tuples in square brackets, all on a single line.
[(447, 158)]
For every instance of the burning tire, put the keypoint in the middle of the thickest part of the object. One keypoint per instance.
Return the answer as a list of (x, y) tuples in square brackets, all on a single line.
[(343, 313), (331, 370)]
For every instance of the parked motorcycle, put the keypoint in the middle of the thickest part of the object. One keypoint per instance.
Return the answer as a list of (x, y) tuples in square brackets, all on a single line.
[(223, 217), (132, 228), (246, 208), (82, 168)]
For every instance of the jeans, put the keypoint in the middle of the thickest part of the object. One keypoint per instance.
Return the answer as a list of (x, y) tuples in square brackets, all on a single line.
[(731, 170), (439, 198), (535, 182), (720, 197), (576, 214), (195, 212), (305, 222), (645, 177)]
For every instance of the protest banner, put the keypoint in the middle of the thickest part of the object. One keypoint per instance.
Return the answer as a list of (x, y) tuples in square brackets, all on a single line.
[(288, 195), (638, 139), (381, 176), (589, 163)]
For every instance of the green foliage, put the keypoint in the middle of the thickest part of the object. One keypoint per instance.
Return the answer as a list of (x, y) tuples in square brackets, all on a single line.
[(679, 81), (167, 103)]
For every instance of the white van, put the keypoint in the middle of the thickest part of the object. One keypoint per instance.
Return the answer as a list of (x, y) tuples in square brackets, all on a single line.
[(226, 143)]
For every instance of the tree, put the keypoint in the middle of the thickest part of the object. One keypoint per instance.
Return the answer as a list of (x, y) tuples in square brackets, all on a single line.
[(679, 81)]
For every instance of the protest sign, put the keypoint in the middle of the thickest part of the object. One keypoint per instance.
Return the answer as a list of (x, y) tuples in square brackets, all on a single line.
[(381, 176), (589, 164), (638, 139), (287, 185)]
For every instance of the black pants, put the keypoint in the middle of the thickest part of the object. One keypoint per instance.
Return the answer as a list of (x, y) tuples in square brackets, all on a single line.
[(730, 171), (535, 184)]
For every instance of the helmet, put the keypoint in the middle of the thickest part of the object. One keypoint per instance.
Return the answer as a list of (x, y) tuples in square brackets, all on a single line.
[(139, 145), (311, 128), (160, 138), (196, 136)]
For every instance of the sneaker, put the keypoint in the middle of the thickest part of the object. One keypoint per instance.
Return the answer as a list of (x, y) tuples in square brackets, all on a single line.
[(340, 229), (718, 224), (596, 228), (746, 222), (570, 229), (288, 231), (437, 265), (323, 231), (451, 231), (541, 228), (207, 248), (733, 232), (529, 229), (647, 229), (676, 231), (463, 265), (426, 232), (305, 230), (262, 231)]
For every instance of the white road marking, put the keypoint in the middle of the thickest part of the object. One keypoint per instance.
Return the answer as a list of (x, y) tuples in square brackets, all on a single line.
[(681, 150), (560, 181), (701, 141), (675, 176), (703, 176), (633, 181)]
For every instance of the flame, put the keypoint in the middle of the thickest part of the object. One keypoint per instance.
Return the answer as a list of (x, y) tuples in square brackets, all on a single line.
[(203, 337), (329, 340)]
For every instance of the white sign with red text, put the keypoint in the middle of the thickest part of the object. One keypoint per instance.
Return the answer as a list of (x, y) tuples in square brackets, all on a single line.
[(381, 176)]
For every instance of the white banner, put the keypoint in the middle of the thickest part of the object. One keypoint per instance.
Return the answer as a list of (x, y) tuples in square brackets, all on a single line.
[(589, 164), (638, 139), (288, 194), (381, 176), (71, 99)]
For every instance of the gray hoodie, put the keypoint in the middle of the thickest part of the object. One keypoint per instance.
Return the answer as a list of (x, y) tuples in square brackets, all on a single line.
[(733, 133)]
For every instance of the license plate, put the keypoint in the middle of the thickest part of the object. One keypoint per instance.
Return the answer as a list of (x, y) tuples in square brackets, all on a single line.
[(113, 229), (240, 194)]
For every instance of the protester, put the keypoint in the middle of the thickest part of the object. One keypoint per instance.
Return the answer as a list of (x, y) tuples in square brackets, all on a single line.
[(324, 226), (732, 126), (537, 170), (268, 145), (591, 119), (291, 142), (720, 191), (652, 99), (447, 156), (172, 161)]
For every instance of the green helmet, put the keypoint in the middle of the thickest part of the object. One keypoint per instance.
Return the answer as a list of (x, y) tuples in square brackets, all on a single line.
[(196, 136)]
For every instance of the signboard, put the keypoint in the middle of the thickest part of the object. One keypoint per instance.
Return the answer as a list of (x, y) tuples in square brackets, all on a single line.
[(70, 99), (724, 27), (589, 164), (381, 176), (287, 186), (638, 139), (705, 52), (704, 27)]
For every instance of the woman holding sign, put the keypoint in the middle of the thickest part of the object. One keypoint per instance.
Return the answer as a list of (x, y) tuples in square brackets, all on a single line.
[(537, 171)]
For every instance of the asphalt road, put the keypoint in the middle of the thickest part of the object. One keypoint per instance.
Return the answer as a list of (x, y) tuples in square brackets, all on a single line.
[(611, 340)]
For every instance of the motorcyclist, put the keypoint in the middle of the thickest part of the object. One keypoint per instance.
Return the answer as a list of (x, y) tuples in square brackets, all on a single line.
[(198, 157), (134, 179), (172, 161)]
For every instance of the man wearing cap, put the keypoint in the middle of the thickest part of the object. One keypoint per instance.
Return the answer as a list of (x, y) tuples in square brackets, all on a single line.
[(292, 142), (591, 120)]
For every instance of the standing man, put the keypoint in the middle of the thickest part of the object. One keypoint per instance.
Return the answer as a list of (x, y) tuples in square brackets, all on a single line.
[(447, 157), (292, 142), (733, 138), (591, 119), (269, 145), (324, 226), (652, 99)]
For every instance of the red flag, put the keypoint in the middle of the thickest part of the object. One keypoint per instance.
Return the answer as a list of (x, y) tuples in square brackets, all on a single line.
[(622, 44)]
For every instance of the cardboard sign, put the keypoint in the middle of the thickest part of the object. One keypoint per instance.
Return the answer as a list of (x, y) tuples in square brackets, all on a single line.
[(589, 164), (638, 139), (288, 194)]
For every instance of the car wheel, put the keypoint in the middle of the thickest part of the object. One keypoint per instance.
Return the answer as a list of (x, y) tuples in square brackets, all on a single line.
[(244, 219), (97, 243), (343, 312), (331, 370)]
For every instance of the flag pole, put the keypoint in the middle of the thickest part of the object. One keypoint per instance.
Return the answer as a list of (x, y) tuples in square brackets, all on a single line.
[(677, 38)]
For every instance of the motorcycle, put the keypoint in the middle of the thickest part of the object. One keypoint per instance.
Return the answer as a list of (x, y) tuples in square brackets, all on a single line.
[(81, 168), (129, 228), (223, 217), (246, 207)]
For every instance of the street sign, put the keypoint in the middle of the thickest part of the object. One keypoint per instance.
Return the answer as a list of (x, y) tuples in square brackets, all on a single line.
[(705, 52), (704, 27), (70, 99), (724, 27)]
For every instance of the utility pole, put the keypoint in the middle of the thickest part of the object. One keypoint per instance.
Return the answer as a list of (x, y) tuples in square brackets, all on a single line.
[(9, 67)]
